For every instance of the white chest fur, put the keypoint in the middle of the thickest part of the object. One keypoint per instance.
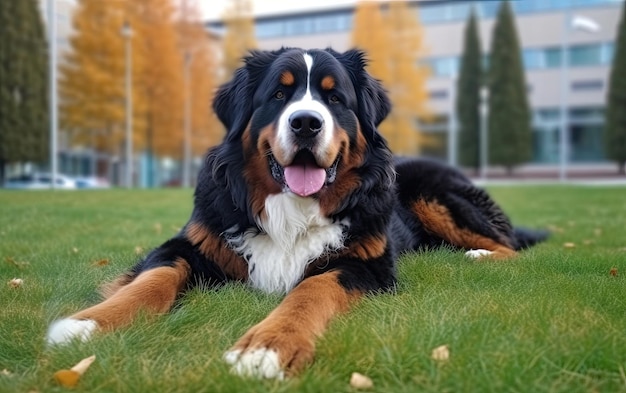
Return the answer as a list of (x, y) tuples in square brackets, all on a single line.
[(293, 235)]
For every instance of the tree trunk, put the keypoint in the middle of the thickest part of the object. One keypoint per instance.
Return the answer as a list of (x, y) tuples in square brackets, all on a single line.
[(621, 167)]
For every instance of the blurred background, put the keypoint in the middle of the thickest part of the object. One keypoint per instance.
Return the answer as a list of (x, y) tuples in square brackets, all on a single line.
[(118, 93)]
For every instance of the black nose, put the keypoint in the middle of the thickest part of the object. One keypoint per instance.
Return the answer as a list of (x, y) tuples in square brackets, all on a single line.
[(306, 123)]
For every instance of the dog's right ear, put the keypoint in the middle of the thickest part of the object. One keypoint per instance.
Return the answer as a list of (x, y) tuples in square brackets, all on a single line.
[(233, 104)]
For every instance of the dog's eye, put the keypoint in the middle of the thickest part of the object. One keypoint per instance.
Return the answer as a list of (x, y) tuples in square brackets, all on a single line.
[(334, 99), (279, 95)]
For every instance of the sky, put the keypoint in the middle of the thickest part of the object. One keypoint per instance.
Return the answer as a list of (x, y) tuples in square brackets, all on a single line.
[(213, 9)]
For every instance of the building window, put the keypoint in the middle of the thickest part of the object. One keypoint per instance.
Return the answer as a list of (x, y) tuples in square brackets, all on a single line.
[(585, 55), (266, 29), (534, 58), (438, 94), (443, 66), (587, 85)]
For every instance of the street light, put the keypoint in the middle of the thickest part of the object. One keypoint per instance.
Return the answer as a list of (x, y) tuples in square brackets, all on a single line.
[(187, 121), (452, 124), (484, 135), (580, 23), (127, 33), (54, 123)]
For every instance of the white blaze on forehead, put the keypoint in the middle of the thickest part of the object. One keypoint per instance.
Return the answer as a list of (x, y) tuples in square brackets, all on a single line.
[(308, 60), (307, 102)]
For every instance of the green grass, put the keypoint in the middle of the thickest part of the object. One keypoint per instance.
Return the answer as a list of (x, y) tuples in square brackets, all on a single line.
[(553, 320)]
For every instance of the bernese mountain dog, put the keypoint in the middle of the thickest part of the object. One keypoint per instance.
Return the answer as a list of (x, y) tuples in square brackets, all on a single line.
[(303, 197)]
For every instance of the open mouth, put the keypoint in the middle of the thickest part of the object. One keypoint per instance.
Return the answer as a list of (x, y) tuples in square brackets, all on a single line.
[(303, 176)]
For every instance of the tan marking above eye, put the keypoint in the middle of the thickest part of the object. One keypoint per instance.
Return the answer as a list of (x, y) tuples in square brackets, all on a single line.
[(287, 78), (328, 83)]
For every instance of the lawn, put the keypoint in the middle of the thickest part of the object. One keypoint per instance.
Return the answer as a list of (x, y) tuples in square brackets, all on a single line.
[(552, 320)]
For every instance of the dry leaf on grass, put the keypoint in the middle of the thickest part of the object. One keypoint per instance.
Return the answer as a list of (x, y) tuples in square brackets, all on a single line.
[(6, 373), (100, 262), (75, 250), (597, 231), (69, 378), (569, 245), (138, 250), (613, 272), (16, 283), (18, 264), (360, 381), (441, 353)]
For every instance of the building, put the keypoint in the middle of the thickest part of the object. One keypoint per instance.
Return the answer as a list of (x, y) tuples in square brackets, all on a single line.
[(545, 27)]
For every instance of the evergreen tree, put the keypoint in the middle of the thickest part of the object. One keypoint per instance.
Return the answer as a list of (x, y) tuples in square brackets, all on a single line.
[(615, 131), (509, 120), (468, 96), (24, 132)]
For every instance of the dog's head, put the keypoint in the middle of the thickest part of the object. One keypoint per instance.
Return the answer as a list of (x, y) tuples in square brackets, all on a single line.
[(305, 120)]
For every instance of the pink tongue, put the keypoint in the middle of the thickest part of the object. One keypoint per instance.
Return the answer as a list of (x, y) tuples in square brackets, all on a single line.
[(305, 180)]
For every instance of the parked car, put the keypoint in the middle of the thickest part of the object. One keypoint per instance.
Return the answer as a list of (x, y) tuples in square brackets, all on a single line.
[(91, 182), (39, 181)]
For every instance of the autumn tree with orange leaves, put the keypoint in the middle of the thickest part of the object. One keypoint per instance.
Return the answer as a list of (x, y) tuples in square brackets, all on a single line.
[(92, 77), (394, 43), (239, 37), (198, 51)]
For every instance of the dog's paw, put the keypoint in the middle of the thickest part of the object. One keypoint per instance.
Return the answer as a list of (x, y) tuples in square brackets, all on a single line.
[(66, 330), (479, 253), (271, 350), (259, 363)]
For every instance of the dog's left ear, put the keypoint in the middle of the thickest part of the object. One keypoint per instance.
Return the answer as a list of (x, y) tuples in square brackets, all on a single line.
[(374, 104), (233, 101), (233, 104)]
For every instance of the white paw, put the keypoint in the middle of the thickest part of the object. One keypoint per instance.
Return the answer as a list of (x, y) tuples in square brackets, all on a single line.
[(478, 253), (258, 363), (65, 330)]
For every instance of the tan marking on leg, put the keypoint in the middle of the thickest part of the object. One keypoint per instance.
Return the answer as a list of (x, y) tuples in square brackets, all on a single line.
[(437, 219), (368, 248), (109, 289), (153, 291), (214, 248), (291, 329)]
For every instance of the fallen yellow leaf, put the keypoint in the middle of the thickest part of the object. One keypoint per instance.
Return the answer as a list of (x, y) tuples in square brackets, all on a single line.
[(69, 378), (441, 353), (360, 381)]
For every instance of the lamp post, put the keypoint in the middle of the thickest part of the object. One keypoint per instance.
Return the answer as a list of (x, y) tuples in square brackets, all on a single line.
[(127, 33), (571, 23), (452, 124), (54, 123), (187, 121), (484, 135)]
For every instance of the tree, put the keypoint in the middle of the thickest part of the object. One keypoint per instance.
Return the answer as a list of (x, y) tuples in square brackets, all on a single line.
[(197, 49), (615, 130), (239, 37), (159, 79), (91, 86), (509, 120), (24, 131), (468, 96), (394, 43)]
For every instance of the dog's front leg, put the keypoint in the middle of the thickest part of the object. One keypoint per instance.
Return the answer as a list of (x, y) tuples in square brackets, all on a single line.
[(284, 342), (153, 291)]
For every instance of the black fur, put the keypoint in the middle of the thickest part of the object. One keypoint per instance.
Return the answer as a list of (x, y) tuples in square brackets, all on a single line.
[(379, 206)]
